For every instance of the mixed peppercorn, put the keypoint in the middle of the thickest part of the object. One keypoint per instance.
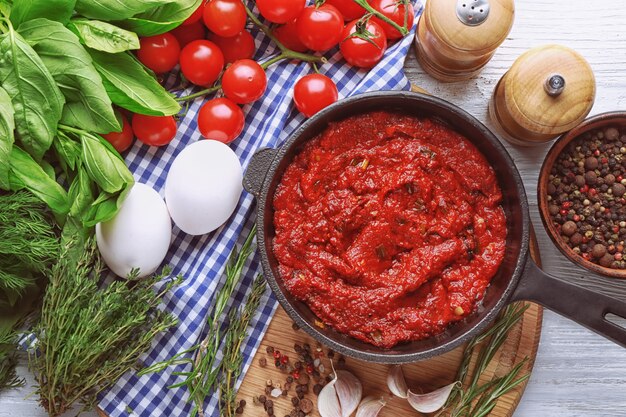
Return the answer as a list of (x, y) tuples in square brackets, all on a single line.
[(304, 376), (586, 196)]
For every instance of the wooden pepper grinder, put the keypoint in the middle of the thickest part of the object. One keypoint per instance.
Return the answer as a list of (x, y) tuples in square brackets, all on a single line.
[(456, 38), (548, 90)]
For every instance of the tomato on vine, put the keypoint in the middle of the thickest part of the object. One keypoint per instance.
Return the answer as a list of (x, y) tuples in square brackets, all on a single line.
[(121, 140), (395, 10), (280, 11), (201, 62), (225, 17), (154, 130), (189, 33), (313, 92), (364, 43), (195, 16), (220, 119), (159, 53), (240, 46), (349, 9), (319, 28), (287, 34), (244, 81)]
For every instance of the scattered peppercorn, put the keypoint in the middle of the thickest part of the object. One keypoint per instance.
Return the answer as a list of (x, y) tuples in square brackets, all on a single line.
[(587, 196)]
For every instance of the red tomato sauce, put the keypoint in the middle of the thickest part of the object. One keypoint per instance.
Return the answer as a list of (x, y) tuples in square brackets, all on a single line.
[(389, 227)]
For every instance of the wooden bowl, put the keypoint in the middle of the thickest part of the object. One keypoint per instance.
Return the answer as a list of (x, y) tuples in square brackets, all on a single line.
[(599, 121)]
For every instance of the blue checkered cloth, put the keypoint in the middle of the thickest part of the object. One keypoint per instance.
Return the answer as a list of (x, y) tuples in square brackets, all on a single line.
[(201, 259)]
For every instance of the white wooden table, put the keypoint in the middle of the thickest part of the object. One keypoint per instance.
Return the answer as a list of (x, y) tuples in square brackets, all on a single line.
[(576, 373)]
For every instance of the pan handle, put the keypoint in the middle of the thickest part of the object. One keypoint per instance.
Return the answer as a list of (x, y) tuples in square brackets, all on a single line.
[(257, 170), (584, 306)]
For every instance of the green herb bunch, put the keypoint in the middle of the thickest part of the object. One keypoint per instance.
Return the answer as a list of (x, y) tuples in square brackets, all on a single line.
[(28, 245), (65, 65), (88, 337)]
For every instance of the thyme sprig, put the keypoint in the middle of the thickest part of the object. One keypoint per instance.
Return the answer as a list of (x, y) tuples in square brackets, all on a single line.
[(476, 399), (88, 336), (233, 356), (205, 368)]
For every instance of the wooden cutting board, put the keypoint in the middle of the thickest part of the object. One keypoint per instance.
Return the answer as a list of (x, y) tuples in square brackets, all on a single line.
[(429, 374)]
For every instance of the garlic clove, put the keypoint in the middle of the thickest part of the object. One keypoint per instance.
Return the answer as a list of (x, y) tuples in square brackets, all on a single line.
[(432, 401), (370, 407), (349, 391), (327, 401), (396, 382)]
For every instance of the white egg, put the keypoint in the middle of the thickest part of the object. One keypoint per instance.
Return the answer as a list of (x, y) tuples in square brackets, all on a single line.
[(203, 186), (138, 236)]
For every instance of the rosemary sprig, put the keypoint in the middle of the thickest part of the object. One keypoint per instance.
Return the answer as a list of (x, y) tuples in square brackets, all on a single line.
[(88, 336), (475, 399), (233, 357), (205, 369)]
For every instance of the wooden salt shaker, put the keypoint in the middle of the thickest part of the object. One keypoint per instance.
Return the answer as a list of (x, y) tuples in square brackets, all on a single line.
[(456, 38), (548, 90)]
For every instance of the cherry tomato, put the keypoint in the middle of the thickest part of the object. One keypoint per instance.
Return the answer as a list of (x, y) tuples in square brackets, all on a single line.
[(313, 92), (395, 12), (244, 81), (220, 119), (280, 11), (195, 16), (159, 53), (154, 130), (201, 62), (287, 34), (240, 46), (348, 8), (121, 140), (360, 52), (319, 28), (225, 17), (188, 33)]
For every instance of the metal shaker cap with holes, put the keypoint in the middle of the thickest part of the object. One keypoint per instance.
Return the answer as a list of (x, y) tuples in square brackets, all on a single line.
[(472, 12)]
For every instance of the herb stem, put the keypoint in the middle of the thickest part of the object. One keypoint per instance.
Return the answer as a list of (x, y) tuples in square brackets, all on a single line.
[(402, 29)]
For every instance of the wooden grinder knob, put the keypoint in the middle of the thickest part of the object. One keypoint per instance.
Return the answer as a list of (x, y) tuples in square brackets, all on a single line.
[(548, 91), (456, 38)]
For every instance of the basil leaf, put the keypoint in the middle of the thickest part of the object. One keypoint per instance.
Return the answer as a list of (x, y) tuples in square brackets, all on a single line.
[(104, 166), (161, 19), (115, 9), (7, 126), (37, 100), (28, 174), (25, 10), (67, 150), (80, 194), (103, 36), (146, 27), (130, 86), (88, 105), (105, 207)]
